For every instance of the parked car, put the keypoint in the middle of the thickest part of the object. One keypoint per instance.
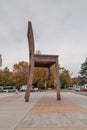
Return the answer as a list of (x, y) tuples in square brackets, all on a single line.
[(82, 88), (34, 90), (74, 88), (1, 89), (85, 87), (23, 88), (77, 88), (69, 88), (9, 89)]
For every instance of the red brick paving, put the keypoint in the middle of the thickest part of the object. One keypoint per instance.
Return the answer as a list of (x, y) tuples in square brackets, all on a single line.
[(47, 105)]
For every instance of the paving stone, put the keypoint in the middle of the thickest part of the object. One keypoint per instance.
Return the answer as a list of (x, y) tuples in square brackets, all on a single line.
[(50, 114)]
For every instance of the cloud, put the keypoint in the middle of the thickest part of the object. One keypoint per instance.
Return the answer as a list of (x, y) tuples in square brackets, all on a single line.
[(59, 26)]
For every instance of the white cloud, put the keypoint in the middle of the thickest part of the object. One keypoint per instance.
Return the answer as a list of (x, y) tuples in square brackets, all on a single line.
[(60, 27)]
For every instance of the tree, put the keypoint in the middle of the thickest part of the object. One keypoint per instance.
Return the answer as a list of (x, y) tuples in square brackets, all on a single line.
[(5, 77), (83, 72), (20, 75), (40, 75), (76, 81), (0, 60), (65, 78), (1, 77)]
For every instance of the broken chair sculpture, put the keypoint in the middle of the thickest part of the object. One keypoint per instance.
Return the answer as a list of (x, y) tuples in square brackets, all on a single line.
[(40, 60)]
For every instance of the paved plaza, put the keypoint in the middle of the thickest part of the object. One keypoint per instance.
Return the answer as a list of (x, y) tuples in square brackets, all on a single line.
[(44, 112), (13, 109), (50, 114)]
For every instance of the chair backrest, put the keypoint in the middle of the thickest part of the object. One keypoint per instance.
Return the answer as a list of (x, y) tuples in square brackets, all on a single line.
[(30, 40)]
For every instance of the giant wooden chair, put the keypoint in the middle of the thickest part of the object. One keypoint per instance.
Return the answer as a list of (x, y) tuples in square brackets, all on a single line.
[(40, 60)]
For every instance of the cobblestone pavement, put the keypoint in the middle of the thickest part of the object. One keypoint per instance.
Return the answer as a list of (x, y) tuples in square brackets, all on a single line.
[(50, 114)]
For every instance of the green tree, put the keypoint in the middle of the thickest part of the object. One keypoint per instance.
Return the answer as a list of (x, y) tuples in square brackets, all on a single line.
[(83, 72)]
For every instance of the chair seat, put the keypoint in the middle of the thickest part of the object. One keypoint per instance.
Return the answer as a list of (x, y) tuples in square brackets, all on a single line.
[(41, 60)]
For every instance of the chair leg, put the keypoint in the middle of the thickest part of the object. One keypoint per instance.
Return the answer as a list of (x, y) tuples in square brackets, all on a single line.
[(27, 94), (57, 81), (29, 85)]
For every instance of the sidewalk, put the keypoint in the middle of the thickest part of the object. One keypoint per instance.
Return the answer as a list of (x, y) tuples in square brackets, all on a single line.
[(50, 114), (4, 94), (13, 108)]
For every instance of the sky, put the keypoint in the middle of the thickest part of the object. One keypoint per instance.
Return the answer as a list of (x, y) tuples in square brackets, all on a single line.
[(59, 27)]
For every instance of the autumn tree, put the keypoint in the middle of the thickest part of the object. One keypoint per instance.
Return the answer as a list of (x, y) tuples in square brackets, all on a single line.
[(1, 77), (20, 73), (76, 81), (65, 78), (5, 76), (40, 75), (50, 82)]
